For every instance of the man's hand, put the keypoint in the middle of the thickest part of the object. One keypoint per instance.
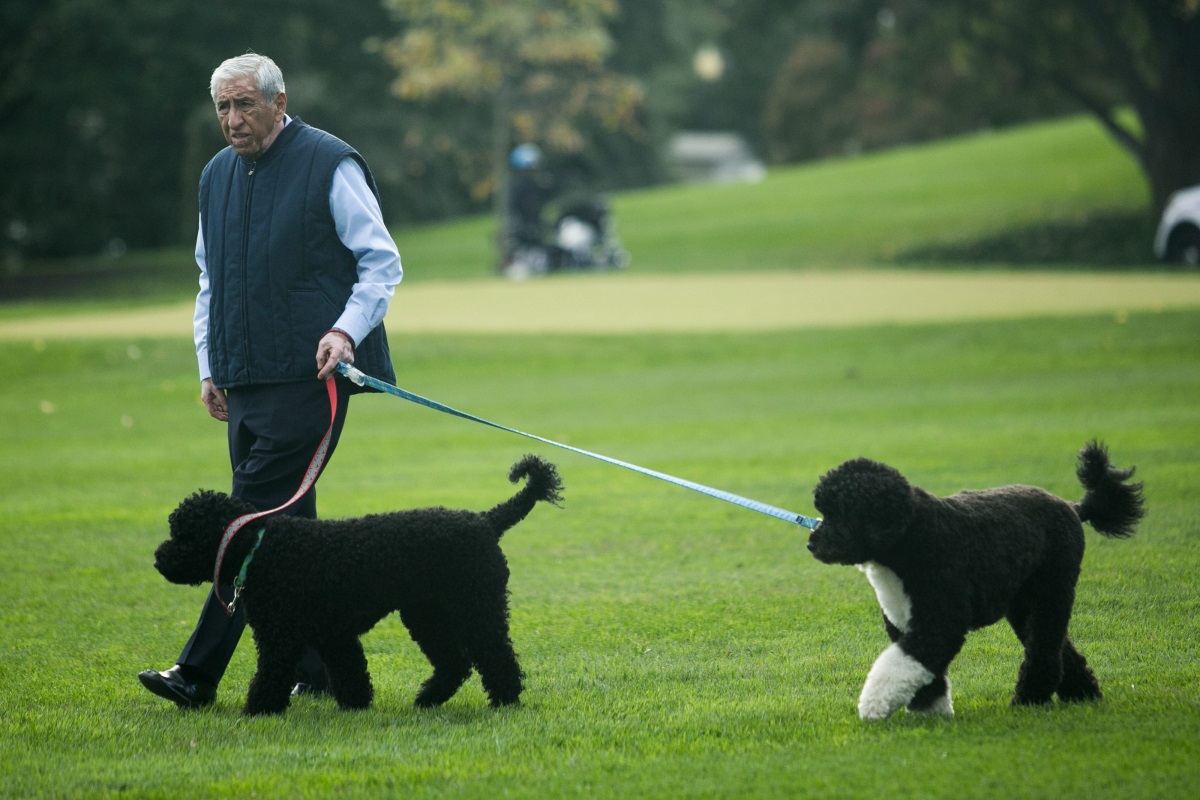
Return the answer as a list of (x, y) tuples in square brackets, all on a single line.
[(214, 400), (334, 346)]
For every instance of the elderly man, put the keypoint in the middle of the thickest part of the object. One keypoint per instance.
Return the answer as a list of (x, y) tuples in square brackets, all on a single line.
[(297, 270)]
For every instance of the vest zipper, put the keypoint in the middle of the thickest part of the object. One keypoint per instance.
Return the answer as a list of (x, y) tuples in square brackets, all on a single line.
[(246, 270)]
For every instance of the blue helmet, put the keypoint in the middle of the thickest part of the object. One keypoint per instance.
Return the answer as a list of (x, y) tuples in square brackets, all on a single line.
[(525, 156)]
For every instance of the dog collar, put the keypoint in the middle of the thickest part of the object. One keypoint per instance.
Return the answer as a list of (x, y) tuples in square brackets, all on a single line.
[(240, 580)]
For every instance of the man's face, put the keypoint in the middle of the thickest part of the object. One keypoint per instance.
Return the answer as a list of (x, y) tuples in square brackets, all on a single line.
[(249, 123)]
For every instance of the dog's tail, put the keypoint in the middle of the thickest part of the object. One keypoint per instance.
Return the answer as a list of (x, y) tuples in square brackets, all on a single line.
[(542, 483), (1110, 504)]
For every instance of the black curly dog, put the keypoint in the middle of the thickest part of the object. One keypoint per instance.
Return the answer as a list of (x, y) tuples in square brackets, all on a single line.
[(944, 566), (325, 583)]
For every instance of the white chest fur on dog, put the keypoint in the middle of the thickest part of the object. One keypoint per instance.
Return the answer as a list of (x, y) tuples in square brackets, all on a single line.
[(889, 589)]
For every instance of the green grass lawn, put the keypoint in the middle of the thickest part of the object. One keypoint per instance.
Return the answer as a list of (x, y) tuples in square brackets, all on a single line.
[(674, 645), (848, 212)]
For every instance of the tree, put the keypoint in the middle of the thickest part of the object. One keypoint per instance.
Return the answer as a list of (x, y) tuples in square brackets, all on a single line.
[(815, 78), (105, 119), (757, 38), (913, 69), (868, 74), (87, 99), (1109, 56), (533, 68)]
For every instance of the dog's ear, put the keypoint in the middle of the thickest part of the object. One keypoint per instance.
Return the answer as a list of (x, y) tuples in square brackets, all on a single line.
[(893, 503)]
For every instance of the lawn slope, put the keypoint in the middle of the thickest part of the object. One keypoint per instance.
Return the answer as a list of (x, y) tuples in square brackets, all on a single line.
[(846, 212)]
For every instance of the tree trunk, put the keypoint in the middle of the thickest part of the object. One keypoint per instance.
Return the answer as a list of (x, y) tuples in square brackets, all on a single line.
[(1171, 159), (501, 113), (1150, 57)]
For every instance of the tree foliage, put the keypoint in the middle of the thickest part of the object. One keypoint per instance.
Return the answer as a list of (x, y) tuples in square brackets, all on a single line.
[(1108, 56), (88, 91), (106, 118), (534, 70), (836, 77)]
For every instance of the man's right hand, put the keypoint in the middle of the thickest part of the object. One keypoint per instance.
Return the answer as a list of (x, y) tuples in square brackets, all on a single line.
[(214, 400)]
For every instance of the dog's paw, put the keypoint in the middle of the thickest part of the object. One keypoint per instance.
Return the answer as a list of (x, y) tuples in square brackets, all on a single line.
[(933, 698), (893, 681), (941, 706), (873, 709)]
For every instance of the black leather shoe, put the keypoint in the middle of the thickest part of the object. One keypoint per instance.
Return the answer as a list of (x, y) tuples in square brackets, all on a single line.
[(171, 685)]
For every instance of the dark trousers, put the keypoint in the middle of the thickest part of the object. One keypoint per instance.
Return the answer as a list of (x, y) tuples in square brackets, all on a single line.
[(274, 431)]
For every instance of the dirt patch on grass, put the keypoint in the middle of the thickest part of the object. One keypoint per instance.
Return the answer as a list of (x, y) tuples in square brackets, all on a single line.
[(613, 303)]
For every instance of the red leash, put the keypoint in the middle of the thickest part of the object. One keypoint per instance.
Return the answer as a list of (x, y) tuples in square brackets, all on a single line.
[(310, 477)]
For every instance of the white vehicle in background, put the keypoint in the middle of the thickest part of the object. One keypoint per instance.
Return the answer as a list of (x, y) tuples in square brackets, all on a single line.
[(1178, 236)]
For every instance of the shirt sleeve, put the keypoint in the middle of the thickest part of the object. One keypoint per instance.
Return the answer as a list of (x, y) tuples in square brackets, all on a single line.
[(359, 223), (203, 300)]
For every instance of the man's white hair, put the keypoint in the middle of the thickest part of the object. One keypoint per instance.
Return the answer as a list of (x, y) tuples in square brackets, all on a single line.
[(267, 76)]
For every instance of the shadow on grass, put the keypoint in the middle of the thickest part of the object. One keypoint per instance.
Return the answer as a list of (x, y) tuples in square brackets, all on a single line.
[(1106, 241), (1109, 241), (153, 275), (117, 282)]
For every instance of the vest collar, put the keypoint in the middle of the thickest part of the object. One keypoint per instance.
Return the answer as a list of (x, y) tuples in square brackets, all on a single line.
[(285, 136)]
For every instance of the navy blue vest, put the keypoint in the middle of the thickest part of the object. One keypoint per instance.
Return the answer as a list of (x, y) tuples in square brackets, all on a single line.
[(279, 275)]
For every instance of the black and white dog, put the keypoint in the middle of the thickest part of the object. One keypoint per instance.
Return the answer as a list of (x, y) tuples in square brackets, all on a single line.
[(944, 566)]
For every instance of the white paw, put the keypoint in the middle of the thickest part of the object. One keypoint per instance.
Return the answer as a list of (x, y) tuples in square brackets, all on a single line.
[(872, 709), (892, 682)]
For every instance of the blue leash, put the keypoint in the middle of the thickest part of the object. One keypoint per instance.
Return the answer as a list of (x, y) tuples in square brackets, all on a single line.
[(362, 379)]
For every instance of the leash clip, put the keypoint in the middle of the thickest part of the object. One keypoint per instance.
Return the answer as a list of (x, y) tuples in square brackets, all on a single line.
[(355, 375), (237, 593)]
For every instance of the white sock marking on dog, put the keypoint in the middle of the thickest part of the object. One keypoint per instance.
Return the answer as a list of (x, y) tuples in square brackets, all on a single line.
[(893, 680), (889, 590)]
